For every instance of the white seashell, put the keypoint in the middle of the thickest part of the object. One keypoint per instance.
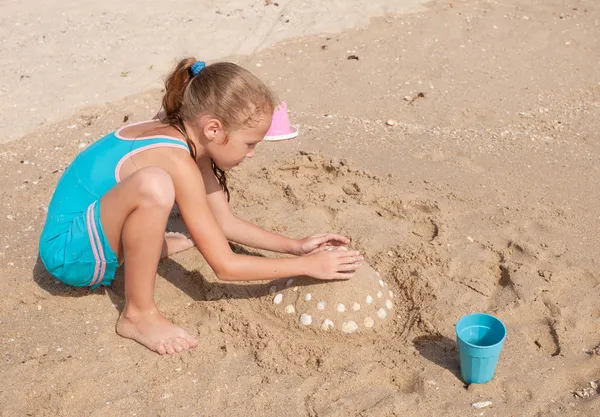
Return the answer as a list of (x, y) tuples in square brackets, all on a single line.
[(381, 313), (482, 404), (349, 327), (290, 309), (307, 297), (289, 282), (391, 294), (278, 298), (356, 307), (305, 319), (369, 322), (369, 299), (321, 305), (378, 274), (389, 304), (273, 289), (327, 324), (295, 289), (381, 282), (379, 294), (341, 308)]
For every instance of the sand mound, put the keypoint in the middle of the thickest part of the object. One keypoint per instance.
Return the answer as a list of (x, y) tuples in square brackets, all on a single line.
[(360, 304)]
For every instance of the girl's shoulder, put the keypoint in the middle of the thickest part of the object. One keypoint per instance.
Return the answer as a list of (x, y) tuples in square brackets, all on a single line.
[(148, 129), (153, 144)]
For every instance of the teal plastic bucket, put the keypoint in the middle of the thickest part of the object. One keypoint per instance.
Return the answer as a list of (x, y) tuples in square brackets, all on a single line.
[(480, 339)]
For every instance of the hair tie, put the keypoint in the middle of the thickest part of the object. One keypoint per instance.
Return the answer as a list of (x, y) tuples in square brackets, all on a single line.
[(197, 67)]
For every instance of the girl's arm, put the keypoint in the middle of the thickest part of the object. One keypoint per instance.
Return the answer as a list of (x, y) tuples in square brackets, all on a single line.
[(243, 232), (191, 197), (240, 231)]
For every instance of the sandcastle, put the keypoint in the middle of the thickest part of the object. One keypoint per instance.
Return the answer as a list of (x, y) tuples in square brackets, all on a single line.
[(362, 303)]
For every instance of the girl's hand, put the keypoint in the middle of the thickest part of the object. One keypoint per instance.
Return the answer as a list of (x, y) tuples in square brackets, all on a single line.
[(317, 243), (333, 264)]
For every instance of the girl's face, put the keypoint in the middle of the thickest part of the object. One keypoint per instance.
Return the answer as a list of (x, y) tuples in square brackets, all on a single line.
[(229, 149)]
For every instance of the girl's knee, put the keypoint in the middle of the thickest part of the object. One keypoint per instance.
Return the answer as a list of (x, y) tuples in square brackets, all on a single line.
[(156, 187)]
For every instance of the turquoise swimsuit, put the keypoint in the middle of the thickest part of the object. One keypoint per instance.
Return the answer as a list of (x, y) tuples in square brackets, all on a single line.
[(73, 246)]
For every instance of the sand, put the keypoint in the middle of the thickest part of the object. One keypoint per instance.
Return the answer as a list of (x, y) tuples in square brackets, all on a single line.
[(482, 195), (60, 55)]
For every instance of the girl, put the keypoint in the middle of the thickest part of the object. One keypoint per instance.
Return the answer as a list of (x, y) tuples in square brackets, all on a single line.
[(112, 203)]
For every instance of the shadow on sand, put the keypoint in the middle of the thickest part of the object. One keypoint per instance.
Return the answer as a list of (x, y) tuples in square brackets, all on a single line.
[(193, 283), (440, 350)]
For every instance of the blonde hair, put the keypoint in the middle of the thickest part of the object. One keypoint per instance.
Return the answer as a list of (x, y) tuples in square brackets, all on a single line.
[(223, 90)]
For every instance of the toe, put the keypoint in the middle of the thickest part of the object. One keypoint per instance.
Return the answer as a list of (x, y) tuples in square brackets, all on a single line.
[(191, 341), (160, 348), (178, 348), (183, 343), (169, 346)]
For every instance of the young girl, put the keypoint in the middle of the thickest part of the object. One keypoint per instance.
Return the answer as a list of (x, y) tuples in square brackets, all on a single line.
[(112, 203)]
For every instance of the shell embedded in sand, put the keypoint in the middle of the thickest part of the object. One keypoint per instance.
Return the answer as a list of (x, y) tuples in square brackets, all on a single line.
[(381, 282), (327, 324), (391, 294), (344, 306), (349, 327), (306, 319), (277, 299)]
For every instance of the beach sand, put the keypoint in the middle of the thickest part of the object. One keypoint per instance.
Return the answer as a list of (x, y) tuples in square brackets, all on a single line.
[(480, 194), (60, 55)]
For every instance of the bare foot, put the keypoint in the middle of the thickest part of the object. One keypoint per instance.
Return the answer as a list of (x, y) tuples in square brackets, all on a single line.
[(175, 242), (155, 332)]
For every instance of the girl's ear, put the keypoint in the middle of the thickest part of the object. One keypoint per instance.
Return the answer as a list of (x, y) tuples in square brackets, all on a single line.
[(213, 129)]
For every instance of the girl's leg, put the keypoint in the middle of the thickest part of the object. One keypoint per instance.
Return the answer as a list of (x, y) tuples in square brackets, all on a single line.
[(134, 218)]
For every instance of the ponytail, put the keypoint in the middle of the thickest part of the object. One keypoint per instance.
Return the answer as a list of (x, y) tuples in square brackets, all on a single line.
[(175, 87)]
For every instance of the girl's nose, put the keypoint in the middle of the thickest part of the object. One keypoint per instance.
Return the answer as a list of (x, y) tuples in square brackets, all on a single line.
[(250, 154)]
